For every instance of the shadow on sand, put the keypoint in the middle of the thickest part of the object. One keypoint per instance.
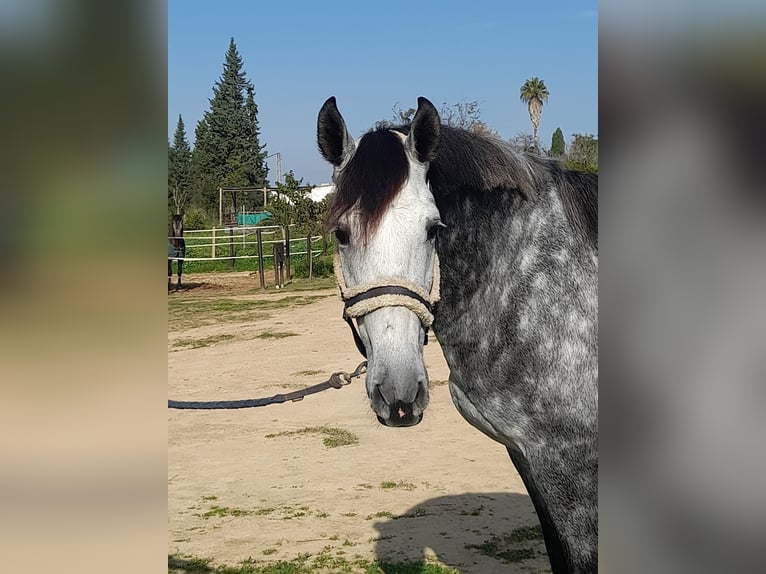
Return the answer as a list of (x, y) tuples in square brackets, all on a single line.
[(474, 533)]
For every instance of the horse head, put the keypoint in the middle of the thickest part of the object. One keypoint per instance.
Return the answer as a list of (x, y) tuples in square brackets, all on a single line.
[(385, 221), (176, 230)]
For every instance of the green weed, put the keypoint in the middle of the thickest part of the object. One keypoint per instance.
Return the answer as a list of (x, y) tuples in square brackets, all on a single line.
[(333, 436)]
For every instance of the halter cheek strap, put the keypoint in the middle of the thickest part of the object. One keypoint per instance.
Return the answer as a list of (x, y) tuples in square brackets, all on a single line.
[(363, 299)]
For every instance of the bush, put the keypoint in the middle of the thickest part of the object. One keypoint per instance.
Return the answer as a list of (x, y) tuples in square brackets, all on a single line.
[(322, 266), (195, 218)]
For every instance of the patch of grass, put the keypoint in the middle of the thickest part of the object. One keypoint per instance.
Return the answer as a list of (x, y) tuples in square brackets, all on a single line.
[(380, 514), (288, 512), (417, 513), (388, 484), (188, 565), (275, 335), (328, 560), (321, 515), (524, 534), (437, 383), (269, 551), (495, 548), (221, 511), (349, 514), (306, 373), (284, 302), (264, 511), (474, 512), (333, 436), (186, 312), (301, 284), (203, 342), (190, 312), (209, 498), (298, 565), (409, 568)]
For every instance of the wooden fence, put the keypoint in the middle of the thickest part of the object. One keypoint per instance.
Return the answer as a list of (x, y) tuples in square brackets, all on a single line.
[(241, 245)]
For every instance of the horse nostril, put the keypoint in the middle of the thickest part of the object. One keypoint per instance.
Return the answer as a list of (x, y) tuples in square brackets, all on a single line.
[(378, 392), (421, 398)]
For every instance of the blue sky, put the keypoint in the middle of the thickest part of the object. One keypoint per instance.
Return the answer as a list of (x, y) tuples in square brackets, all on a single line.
[(371, 55)]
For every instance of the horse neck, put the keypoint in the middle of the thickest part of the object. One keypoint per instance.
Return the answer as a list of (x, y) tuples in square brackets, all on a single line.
[(497, 238), (176, 234), (517, 285)]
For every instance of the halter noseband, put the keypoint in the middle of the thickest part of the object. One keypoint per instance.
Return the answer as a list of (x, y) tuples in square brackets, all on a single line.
[(393, 292)]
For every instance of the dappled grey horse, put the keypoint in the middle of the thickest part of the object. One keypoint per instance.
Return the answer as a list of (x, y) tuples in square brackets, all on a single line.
[(498, 251)]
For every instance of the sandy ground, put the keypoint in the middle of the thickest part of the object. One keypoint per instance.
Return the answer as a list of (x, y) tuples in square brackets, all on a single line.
[(436, 489)]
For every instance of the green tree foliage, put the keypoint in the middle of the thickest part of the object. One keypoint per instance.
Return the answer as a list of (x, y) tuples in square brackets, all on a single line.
[(294, 206), (227, 151), (255, 154), (179, 169), (558, 147), (583, 153), (534, 93)]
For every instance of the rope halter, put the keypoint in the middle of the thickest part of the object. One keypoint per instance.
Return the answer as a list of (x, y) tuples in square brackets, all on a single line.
[(363, 299)]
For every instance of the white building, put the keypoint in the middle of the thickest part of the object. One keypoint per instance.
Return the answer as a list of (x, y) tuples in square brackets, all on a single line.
[(319, 192)]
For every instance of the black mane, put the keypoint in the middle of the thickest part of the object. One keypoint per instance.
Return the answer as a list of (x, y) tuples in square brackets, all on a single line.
[(465, 163)]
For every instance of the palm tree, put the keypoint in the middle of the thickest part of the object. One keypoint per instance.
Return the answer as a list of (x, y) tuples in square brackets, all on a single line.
[(534, 94)]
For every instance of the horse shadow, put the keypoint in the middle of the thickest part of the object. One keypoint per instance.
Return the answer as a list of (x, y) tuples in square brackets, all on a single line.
[(473, 533), (188, 287)]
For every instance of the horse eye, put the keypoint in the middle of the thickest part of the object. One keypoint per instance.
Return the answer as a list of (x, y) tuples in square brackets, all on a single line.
[(432, 229), (342, 236)]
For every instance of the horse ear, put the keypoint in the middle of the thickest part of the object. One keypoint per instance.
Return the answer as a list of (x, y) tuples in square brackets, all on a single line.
[(424, 131), (335, 143)]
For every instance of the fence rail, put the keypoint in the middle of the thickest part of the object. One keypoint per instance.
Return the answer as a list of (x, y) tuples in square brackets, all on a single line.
[(236, 244)]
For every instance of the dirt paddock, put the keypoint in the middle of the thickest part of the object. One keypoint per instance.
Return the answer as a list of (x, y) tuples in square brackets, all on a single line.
[(321, 477)]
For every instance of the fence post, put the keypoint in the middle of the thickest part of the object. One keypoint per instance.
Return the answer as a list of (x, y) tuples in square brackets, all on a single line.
[(212, 249), (220, 206), (287, 254), (308, 253), (231, 247), (260, 260)]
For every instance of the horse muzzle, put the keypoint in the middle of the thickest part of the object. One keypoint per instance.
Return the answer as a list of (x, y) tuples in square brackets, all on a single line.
[(399, 412), (401, 416)]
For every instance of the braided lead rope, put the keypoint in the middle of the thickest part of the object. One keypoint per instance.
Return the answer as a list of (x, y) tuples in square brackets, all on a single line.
[(336, 381)]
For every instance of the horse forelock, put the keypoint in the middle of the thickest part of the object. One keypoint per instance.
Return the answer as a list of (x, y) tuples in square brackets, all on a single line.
[(371, 180)]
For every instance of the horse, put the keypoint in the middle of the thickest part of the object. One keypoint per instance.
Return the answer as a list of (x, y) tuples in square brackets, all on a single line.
[(497, 251), (176, 249), (278, 253)]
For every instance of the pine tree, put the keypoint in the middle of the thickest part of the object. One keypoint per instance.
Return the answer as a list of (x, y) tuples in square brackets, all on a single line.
[(179, 169), (558, 147), (227, 151), (256, 154)]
